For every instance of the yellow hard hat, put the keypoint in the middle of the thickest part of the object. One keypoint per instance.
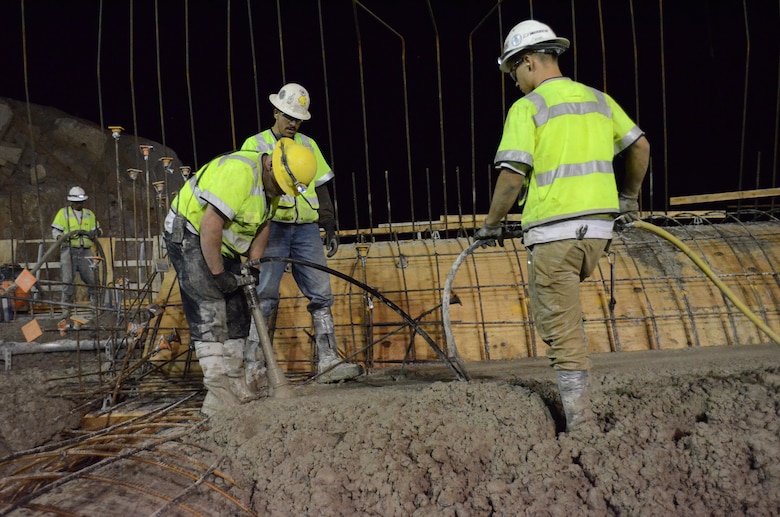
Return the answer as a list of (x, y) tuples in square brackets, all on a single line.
[(294, 166)]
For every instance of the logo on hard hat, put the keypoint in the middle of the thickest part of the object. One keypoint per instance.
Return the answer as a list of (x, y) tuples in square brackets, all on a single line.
[(302, 101)]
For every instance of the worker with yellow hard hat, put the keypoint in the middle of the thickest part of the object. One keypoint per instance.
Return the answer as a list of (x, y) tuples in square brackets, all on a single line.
[(219, 216)]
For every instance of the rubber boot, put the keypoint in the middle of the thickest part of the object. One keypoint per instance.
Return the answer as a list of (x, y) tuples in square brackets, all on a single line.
[(234, 366), (66, 309), (212, 363), (328, 368), (254, 362), (575, 397)]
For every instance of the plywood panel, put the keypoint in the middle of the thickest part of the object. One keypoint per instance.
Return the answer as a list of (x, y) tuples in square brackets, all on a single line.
[(663, 300)]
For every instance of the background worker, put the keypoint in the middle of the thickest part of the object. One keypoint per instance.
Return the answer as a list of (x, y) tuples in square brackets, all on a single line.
[(76, 251), (215, 219), (295, 233), (556, 161)]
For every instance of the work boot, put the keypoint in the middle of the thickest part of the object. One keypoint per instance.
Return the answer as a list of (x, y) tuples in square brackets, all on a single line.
[(575, 397), (66, 309), (234, 367), (212, 363), (327, 352), (328, 368)]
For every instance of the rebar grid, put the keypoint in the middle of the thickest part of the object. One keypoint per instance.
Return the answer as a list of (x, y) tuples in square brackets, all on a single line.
[(156, 439)]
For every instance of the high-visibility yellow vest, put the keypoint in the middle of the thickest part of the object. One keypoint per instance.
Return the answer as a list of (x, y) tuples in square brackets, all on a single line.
[(568, 133), (66, 221), (295, 209), (233, 184)]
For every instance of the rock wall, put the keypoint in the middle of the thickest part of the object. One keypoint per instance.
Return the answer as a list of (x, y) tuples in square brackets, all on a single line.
[(44, 152)]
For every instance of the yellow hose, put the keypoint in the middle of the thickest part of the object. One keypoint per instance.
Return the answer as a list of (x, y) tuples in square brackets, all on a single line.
[(707, 271)]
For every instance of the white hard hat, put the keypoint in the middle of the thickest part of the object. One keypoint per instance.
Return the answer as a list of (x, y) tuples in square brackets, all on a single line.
[(293, 100), (530, 35), (77, 194)]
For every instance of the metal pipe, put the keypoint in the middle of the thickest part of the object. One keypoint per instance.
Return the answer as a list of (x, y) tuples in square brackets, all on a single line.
[(67, 345)]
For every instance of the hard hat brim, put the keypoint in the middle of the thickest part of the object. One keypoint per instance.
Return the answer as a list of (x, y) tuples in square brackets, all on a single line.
[(74, 198), (274, 98)]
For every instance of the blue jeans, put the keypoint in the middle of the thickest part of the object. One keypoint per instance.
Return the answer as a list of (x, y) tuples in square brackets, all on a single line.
[(298, 241), (212, 316)]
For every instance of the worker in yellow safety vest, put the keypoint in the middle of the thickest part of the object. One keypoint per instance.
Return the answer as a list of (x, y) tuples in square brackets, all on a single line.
[(295, 233), (76, 254), (218, 217), (556, 161)]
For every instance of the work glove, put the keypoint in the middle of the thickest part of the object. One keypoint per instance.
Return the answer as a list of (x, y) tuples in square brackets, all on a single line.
[(255, 272), (629, 209), (490, 235), (227, 282), (331, 239)]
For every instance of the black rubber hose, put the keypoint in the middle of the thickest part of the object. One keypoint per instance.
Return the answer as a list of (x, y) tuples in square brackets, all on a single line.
[(458, 370)]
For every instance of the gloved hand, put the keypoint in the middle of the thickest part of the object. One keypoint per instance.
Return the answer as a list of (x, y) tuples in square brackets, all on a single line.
[(255, 272), (331, 239), (490, 235), (227, 282), (629, 208)]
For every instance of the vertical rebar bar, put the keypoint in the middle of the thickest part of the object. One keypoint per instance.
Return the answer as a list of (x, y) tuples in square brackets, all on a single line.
[(744, 100), (281, 39), (254, 60), (331, 155), (472, 110), (441, 114), (355, 3), (230, 79), (663, 103)]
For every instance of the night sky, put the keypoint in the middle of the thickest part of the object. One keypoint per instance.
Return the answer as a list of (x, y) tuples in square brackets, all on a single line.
[(701, 80)]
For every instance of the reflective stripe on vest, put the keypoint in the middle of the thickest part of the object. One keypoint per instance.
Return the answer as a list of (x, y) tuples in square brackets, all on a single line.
[(246, 211), (292, 209), (562, 184)]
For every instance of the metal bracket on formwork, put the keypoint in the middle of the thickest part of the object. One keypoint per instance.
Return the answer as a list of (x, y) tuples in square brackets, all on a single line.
[(116, 131), (166, 161), (362, 254)]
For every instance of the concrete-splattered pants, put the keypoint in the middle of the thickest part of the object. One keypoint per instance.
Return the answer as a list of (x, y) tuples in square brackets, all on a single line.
[(76, 260), (212, 316), (555, 270)]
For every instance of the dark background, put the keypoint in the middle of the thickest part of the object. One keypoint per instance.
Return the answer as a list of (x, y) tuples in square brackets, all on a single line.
[(407, 99)]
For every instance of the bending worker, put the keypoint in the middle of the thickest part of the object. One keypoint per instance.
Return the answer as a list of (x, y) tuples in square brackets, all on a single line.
[(76, 252), (215, 219), (556, 157), (295, 233)]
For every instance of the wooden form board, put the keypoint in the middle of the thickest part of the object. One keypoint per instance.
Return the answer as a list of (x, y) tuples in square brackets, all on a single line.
[(663, 301)]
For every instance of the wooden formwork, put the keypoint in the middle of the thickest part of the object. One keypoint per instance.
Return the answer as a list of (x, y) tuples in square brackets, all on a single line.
[(662, 300)]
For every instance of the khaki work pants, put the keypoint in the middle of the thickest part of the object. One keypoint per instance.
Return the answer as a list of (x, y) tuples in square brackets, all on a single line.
[(555, 270)]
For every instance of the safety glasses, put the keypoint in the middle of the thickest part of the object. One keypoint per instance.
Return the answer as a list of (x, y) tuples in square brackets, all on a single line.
[(290, 119), (513, 70)]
